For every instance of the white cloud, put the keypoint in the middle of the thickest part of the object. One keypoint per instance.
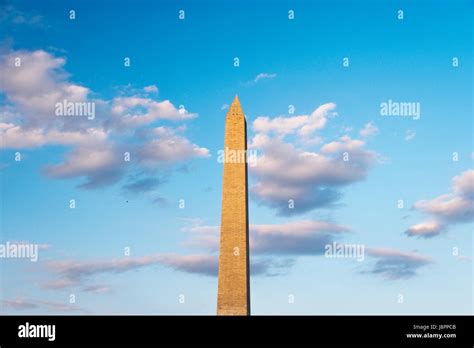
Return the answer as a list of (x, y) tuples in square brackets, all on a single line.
[(132, 112), (305, 125), (344, 144), (279, 125), (263, 76), (101, 165), (463, 184), (16, 137), (95, 147), (425, 229), (447, 207), (410, 135), (457, 206), (303, 237), (318, 119), (167, 147), (451, 208), (36, 86), (9, 15), (151, 89), (369, 129), (310, 179)]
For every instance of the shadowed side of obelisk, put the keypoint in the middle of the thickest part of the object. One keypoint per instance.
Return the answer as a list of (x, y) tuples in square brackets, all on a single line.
[(233, 296)]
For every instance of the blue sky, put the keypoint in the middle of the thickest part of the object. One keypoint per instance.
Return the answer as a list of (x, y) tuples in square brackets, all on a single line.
[(283, 62)]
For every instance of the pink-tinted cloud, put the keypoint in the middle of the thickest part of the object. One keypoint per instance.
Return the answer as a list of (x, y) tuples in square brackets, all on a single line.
[(295, 181), (36, 85), (294, 238), (19, 304), (304, 237), (427, 229), (450, 208), (80, 273), (395, 264), (41, 305), (33, 82), (97, 289), (369, 130), (100, 165), (164, 146)]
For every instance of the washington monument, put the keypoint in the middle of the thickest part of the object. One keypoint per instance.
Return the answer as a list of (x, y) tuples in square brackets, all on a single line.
[(233, 293)]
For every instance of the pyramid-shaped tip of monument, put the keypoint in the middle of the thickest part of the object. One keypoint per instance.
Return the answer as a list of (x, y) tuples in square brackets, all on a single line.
[(235, 109), (236, 100)]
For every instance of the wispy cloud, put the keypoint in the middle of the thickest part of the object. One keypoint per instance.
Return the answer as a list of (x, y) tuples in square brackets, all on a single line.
[(142, 185), (19, 304), (393, 264), (263, 76), (135, 111), (303, 125), (151, 89), (456, 206), (369, 129), (260, 77), (97, 289), (161, 201), (49, 306), (11, 15), (425, 229), (164, 146), (294, 238), (303, 237), (410, 135), (451, 208), (79, 274)]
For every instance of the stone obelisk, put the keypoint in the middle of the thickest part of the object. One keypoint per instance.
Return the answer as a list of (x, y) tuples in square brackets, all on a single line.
[(233, 293)]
